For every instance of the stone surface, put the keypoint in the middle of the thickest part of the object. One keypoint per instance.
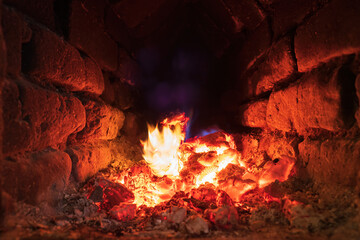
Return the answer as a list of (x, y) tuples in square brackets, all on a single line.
[(102, 121), (119, 94), (330, 33), (278, 65), (125, 151), (254, 114), (321, 99), (333, 161), (42, 11), (15, 31), (89, 158), (266, 146), (288, 14), (36, 177), (94, 79), (134, 126), (89, 35), (247, 11), (49, 59), (36, 118), (255, 45)]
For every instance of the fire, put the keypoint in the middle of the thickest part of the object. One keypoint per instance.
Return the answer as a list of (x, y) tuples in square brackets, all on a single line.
[(161, 150), (173, 164)]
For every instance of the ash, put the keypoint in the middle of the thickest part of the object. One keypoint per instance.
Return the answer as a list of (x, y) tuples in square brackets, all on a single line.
[(283, 210)]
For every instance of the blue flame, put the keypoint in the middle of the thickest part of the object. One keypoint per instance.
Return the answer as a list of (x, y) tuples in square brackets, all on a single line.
[(208, 131)]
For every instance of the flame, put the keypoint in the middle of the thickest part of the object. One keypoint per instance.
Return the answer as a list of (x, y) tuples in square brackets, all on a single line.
[(175, 165), (161, 150)]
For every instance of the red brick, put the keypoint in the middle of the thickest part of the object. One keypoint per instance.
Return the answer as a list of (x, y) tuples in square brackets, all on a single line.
[(102, 121), (35, 118), (247, 11), (331, 32), (288, 14), (94, 78), (108, 94), (316, 101), (36, 177), (265, 146), (89, 35), (278, 65), (89, 158), (334, 161), (40, 10), (51, 60), (118, 93), (256, 44), (134, 126), (254, 114)]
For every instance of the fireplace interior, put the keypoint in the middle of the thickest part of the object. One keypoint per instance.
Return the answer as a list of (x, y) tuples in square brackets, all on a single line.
[(181, 119)]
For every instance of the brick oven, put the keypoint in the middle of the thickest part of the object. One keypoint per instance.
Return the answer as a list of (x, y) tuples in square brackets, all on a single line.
[(257, 104)]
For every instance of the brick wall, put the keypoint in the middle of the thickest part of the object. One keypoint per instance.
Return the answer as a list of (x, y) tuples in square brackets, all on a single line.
[(290, 69), (69, 95), (303, 82)]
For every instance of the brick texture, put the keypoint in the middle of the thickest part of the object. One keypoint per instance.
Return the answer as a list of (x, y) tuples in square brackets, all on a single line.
[(88, 34), (35, 118), (330, 33), (102, 121), (36, 177), (254, 114), (315, 101), (278, 65), (88, 159), (333, 161), (51, 60)]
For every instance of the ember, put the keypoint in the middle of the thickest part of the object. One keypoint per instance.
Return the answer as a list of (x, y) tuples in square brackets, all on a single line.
[(205, 174)]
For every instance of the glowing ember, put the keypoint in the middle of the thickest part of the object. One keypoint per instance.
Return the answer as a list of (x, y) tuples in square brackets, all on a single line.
[(172, 165)]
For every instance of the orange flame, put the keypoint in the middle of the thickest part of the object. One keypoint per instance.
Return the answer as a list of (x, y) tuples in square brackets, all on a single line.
[(161, 150), (180, 165)]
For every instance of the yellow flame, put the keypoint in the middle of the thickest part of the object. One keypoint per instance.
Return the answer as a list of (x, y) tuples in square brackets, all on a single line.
[(161, 150), (167, 155)]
